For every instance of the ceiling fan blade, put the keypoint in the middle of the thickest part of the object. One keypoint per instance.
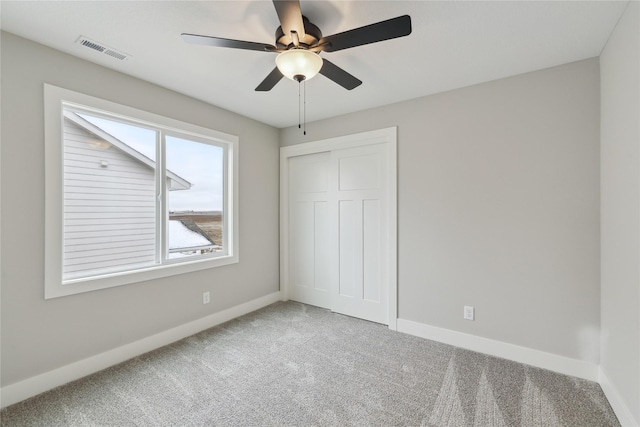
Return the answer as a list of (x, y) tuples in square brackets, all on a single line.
[(338, 75), (220, 42), (290, 16), (270, 81), (373, 33)]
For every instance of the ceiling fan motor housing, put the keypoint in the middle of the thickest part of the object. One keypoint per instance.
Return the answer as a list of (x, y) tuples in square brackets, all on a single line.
[(311, 37)]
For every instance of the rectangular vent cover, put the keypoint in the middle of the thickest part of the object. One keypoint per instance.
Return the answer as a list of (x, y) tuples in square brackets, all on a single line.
[(102, 48)]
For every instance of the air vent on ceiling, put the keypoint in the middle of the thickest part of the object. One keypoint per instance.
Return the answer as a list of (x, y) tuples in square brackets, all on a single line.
[(102, 48)]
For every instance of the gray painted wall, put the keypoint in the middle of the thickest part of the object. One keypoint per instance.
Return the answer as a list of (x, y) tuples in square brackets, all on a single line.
[(39, 335), (498, 206), (620, 183)]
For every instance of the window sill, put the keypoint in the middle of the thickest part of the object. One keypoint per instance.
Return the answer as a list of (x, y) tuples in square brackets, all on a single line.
[(76, 286)]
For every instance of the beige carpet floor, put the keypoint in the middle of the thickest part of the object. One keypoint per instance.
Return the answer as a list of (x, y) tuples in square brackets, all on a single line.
[(293, 364)]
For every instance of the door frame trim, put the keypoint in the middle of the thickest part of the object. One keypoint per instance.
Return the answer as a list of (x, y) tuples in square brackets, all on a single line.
[(380, 136)]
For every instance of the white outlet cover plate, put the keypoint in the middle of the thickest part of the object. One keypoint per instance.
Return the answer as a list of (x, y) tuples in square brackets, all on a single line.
[(468, 312)]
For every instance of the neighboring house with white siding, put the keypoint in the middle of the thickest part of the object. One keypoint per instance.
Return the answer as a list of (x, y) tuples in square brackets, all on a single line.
[(110, 200)]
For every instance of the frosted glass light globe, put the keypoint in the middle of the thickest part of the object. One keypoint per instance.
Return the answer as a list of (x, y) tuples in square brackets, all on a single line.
[(299, 64)]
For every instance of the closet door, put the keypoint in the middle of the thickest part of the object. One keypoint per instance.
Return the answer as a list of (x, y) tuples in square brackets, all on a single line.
[(360, 225), (338, 228), (309, 245)]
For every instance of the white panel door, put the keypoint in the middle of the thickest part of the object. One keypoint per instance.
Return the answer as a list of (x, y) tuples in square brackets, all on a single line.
[(339, 250), (360, 225), (310, 254)]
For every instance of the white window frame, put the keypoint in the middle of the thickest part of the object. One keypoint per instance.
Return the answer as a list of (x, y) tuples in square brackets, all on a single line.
[(55, 99)]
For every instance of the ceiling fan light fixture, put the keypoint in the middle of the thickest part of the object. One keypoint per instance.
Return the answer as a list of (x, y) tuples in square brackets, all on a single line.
[(299, 64)]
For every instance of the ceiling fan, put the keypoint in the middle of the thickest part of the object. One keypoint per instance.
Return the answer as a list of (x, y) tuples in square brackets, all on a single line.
[(299, 44)]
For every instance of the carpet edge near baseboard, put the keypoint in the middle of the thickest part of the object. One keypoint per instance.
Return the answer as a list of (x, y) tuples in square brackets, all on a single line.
[(21, 390), (529, 356), (618, 405), (539, 359)]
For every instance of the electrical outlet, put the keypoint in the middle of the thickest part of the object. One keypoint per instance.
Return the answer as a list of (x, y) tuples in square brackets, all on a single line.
[(469, 313), (206, 298)]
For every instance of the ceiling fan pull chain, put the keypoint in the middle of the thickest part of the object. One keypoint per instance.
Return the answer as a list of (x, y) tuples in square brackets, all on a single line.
[(298, 105), (304, 131)]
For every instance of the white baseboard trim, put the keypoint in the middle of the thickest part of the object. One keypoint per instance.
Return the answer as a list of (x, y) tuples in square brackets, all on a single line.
[(529, 356), (22, 390), (619, 407)]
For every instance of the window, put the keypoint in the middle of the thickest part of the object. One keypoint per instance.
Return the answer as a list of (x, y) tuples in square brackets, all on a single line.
[(132, 196)]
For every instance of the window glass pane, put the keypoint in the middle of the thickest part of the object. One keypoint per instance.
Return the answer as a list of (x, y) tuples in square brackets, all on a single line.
[(195, 180), (141, 139), (109, 196)]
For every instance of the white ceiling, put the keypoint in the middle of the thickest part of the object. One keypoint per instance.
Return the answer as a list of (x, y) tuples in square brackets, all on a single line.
[(453, 44)]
